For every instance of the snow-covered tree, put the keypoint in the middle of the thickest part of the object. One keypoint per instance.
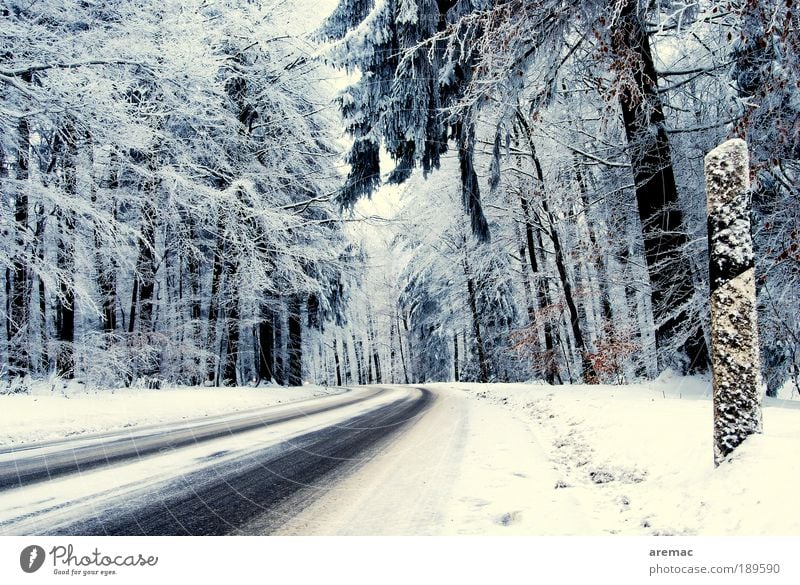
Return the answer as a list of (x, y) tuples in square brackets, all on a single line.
[(168, 168)]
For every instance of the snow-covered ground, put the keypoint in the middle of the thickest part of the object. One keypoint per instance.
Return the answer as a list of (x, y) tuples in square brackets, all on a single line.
[(47, 415), (639, 459), (580, 460), (501, 459)]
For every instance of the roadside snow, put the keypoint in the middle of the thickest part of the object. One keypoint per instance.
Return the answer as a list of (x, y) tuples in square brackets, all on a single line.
[(639, 458), (46, 415)]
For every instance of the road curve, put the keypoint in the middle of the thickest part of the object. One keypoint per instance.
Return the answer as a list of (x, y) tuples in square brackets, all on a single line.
[(28, 464), (220, 498)]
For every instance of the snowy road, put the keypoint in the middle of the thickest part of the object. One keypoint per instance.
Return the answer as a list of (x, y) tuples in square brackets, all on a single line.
[(206, 477), (441, 459), (467, 466), (25, 465), (376, 460)]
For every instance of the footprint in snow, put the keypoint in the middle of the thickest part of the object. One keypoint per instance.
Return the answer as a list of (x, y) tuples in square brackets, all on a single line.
[(509, 518)]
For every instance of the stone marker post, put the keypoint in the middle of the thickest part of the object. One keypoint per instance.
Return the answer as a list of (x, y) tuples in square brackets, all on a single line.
[(734, 331)]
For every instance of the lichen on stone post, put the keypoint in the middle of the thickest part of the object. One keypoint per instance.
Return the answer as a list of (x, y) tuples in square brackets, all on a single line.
[(734, 330)]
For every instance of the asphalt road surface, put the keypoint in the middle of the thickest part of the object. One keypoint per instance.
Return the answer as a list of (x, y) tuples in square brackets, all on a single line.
[(29, 464), (265, 485)]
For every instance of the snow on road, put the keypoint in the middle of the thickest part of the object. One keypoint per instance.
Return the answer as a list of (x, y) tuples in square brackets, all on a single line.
[(465, 467), (46, 505), (46, 415), (580, 460)]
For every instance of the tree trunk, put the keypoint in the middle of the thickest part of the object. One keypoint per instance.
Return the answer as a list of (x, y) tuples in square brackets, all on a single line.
[(107, 268), (348, 373), (456, 373), (280, 361), (411, 368), (65, 258), (336, 360), (232, 314), (214, 302), (400, 343), (358, 350), (65, 307), (18, 355), (392, 353), (483, 366), (369, 366), (295, 341), (373, 342), (145, 285), (44, 359), (195, 305), (657, 194), (600, 268), (377, 359), (542, 296), (266, 345)]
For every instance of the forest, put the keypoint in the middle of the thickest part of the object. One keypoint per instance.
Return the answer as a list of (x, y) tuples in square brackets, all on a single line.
[(233, 192)]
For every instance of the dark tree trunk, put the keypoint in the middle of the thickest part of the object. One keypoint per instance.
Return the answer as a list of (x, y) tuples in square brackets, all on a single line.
[(312, 308), (107, 268), (400, 343), (358, 350), (44, 360), (295, 341), (232, 317), (410, 348), (374, 345), (336, 360), (348, 373), (65, 258), (530, 305), (392, 353), (107, 283), (145, 286), (230, 375), (483, 366), (280, 361), (377, 359), (214, 302), (656, 192), (266, 345), (456, 373), (369, 368), (470, 190), (65, 307), (195, 305), (18, 358)]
